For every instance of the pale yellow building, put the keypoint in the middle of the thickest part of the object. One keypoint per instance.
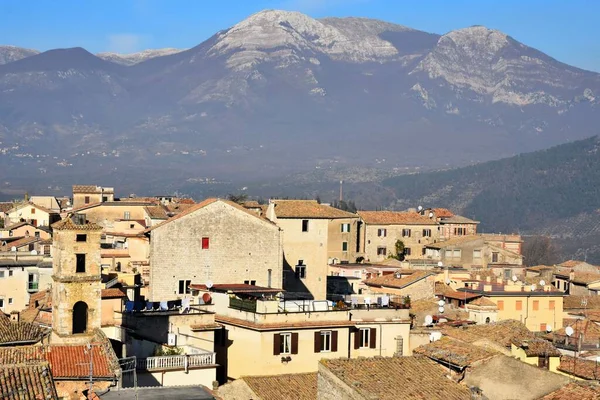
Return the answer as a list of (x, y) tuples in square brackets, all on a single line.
[(34, 214), (382, 229), (89, 194), (313, 235), (21, 278)]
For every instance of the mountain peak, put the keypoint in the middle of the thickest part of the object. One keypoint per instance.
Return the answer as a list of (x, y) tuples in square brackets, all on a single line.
[(478, 36), (9, 53), (138, 57)]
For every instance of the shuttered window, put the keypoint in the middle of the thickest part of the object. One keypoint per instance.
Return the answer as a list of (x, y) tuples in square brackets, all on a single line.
[(205, 243), (326, 341), (285, 343), (365, 338)]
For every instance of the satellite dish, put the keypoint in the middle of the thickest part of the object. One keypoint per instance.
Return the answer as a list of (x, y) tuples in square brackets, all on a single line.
[(533, 287), (441, 303), (430, 215), (548, 328), (420, 208), (440, 264), (569, 331), (13, 248), (448, 281), (33, 252), (542, 283), (209, 284), (428, 320), (435, 336), (441, 309), (514, 278), (398, 275)]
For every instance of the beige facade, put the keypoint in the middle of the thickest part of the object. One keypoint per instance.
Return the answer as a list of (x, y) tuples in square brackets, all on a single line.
[(24, 229), (418, 286), (343, 240), (216, 241), (76, 290), (382, 229), (36, 215), (18, 280), (48, 202), (89, 194), (283, 343)]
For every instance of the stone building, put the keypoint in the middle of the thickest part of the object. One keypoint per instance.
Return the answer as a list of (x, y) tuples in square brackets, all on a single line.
[(215, 240), (76, 290), (313, 234), (384, 228), (88, 194), (418, 285)]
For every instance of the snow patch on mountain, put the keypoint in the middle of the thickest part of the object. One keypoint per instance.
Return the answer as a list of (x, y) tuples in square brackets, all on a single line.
[(135, 58), (14, 53)]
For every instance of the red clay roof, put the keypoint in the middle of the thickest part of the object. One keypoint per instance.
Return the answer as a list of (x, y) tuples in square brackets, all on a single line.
[(27, 382), (112, 293), (66, 361), (442, 212), (393, 282), (582, 368), (394, 218), (68, 224), (19, 332), (308, 209), (456, 352), (576, 391)]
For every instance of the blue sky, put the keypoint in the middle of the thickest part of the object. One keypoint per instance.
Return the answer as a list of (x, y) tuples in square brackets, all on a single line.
[(566, 30)]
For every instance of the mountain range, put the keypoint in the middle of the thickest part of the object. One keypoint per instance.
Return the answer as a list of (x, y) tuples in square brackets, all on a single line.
[(281, 92)]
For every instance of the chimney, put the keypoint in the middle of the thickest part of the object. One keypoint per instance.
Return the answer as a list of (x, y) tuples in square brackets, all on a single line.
[(488, 279), (14, 316), (478, 277), (271, 211), (446, 275), (571, 275)]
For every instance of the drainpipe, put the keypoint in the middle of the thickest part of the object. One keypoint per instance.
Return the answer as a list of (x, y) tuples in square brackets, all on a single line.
[(349, 335), (380, 338), (186, 363)]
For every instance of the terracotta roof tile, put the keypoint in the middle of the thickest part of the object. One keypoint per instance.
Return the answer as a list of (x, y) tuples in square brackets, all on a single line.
[(581, 302), (587, 328), (391, 281), (394, 218), (112, 293), (6, 206), (455, 241), (408, 378), (455, 352), (66, 361), (536, 347), (501, 332), (22, 242), (68, 224), (576, 390), (91, 189), (585, 278), (205, 327), (19, 332), (284, 387), (483, 302), (308, 209), (156, 212), (442, 212), (281, 325), (27, 382), (582, 368), (571, 263)]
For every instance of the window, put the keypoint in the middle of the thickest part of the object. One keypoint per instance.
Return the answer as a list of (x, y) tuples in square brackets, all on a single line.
[(104, 199), (495, 257), (285, 343), (456, 253), (345, 228), (37, 234), (87, 200), (46, 250), (500, 305), (80, 266), (476, 253), (543, 327), (126, 215), (1, 303), (253, 283), (507, 274), (1, 274), (543, 360), (344, 246), (536, 305), (460, 231), (10, 300), (205, 243), (325, 341), (519, 305), (31, 247), (81, 238), (10, 273), (33, 210), (184, 286), (357, 274), (551, 304), (269, 276), (365, 338), (131, 226), (405, 232), (382, 232), (406, 251), (301, 269), (304, 225), (381, 251), (423, 251), (426, 232)]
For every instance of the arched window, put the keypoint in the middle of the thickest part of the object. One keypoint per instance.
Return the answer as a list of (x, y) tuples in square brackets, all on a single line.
[(80, 317), (487, 320)]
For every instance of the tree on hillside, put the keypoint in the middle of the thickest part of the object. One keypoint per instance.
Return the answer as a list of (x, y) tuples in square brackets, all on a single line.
[(540, 250), (237, 198), (345, 205)]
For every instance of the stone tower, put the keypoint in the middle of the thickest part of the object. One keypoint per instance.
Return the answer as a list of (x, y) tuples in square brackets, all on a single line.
[(77, 284)]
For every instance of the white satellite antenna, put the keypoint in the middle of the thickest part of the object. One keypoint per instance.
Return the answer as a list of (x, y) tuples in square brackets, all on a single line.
[(13, 248), (514, 278), (34, 252), (430, 215), (435, 336), (441, 309), (441, 303), (420, 208), (428, 320), (398, 275), (209, 284), (448, 281), (542, 283), (533, 287), (440, 264), (569, 331), (548, 328)]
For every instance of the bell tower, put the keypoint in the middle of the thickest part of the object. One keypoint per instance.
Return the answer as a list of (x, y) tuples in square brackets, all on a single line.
[(77, 282)]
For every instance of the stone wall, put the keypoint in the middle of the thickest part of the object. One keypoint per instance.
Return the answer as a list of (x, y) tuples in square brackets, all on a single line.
[(416, 242)]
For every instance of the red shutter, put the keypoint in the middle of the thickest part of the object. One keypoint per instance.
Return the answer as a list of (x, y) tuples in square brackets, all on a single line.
[(205, 243), (373, 338), (357, 335), (334, 340), (317, 342), (294, 343), (276, 344)]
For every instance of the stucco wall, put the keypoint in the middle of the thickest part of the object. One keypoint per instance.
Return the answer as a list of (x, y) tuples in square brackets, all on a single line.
[(241, 247), (336, 238), (422, 289), (15, 287), (415, 242), (530, 317)]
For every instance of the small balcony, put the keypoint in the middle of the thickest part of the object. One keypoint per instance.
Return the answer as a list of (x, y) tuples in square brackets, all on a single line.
[(33, 287), (185, 362)]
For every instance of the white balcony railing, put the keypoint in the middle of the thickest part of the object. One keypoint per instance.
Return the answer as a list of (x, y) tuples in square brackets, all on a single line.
[(112, 282), (175, 362)]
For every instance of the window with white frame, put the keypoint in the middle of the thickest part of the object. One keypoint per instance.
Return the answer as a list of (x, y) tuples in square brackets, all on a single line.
[(426, 232), (285, 346), (456, 253), (357, 274), (345, 228), (325, 341), (365, 336), (382, 232), (381, 251), (406, 232), (476, 253)]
